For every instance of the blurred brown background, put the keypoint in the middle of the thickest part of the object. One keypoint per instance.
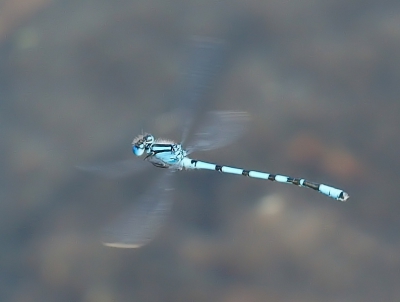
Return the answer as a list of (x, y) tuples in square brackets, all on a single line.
[(80, 79)]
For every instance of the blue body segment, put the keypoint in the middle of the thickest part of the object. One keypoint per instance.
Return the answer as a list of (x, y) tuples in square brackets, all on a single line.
[(333, 192)]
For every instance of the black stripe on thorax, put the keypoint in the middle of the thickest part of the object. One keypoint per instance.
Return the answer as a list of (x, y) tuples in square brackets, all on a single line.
[(162, 147)]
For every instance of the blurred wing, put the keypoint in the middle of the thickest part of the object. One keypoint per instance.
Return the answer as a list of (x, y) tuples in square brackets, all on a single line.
[(139, 224), (220, 128), (204, 61), (117, 169)]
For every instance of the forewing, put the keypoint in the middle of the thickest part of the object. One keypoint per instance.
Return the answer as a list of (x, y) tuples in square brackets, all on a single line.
[(205, 60), (117, 169), (220, 128), (139, 224)]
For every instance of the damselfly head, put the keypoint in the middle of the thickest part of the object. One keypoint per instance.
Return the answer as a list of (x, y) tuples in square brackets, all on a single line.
[(142, 143)]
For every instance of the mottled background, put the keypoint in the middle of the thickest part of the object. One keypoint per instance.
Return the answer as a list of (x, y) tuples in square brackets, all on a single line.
[(80, 79)]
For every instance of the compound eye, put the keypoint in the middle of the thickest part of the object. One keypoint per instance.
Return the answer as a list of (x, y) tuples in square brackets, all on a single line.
[(138, 150), (149, 139)]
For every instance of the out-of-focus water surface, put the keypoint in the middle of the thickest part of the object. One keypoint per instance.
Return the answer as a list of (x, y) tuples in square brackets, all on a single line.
[(80, 79)]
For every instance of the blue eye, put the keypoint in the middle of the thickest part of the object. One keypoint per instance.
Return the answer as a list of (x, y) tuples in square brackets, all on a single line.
[(149, 139), (138, 151)]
